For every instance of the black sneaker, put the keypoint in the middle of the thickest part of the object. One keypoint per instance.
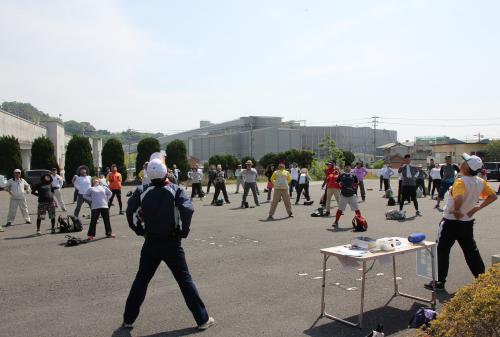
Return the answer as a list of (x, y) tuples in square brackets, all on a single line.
[(8, 224), (438, 285)]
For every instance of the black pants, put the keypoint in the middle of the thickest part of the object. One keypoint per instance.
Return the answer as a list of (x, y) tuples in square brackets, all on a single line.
[(361, 186), (170, 252), (94, 216), (387, 184), (246, 188), (381, 180), (461, 231), (293, 185), (436, 183), (429, 186), (195, 190), (75, 195), (218, 188), (421, 184), (303, 188), (210, 182), (118, 194), (408, 193)]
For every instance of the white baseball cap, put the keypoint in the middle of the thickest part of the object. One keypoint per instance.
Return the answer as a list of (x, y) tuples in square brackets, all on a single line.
[(17, 171), (156, 169), (474, 162)]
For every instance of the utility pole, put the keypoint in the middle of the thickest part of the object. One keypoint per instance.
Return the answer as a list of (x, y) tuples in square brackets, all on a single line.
[(375, 123), (479, 136)]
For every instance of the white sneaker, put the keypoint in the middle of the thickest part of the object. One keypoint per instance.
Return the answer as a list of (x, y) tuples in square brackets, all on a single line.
[(207, 324), (1, 229)]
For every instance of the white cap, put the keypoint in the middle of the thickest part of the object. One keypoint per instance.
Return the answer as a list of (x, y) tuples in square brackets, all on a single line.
[(474, 162), (17, 171), (158, 155), (156, 169)]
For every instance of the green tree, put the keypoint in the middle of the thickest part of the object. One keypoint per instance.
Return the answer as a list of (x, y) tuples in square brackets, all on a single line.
[(317, 169), (42, 154), (26, 111), (330, 151), (10, 155), (303, 158), (145, 149), (79, 128), (177, 154), (378, 164), (112, 153), (493, 151), (79, 152), (349, 157), (228, 161), (269, 159)]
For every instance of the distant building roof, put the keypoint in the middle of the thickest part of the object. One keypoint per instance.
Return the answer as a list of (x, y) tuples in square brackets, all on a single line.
[(389, 145)]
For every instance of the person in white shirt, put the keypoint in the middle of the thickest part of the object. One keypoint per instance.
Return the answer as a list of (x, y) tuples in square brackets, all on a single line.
[(57, 184), (303, 186), (196, 177), (17, 188), (237, 174), (387, 173), (458, 220), (176, 172), (249, 176), (294, 184), (435, 175), (98, 196), (82, 184)]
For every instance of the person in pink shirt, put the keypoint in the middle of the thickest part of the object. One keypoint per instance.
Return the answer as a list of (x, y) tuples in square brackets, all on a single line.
[(361, 172)]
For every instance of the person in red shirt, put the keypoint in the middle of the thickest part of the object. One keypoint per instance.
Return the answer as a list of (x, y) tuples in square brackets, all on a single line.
[(114, 179), (332, 186)]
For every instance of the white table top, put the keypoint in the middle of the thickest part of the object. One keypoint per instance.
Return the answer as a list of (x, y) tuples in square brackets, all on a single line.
[(342, 251)]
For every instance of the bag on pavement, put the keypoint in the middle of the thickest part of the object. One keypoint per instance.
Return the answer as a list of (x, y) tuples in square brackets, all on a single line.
[(395, 214), (423, 316)]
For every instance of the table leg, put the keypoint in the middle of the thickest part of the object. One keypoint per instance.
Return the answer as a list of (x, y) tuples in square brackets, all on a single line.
[(363, 278), (433, 299), (394, 275), (323, 285)]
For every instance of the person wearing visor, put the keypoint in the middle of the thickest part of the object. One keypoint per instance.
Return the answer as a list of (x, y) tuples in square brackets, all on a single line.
[(162, 212), (17, 188), (458, 220)]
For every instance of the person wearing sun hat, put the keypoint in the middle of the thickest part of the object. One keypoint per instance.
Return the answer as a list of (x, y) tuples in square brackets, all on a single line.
[(281, 178), (17, 188), (162, 213), (458, 219), (249, 176)]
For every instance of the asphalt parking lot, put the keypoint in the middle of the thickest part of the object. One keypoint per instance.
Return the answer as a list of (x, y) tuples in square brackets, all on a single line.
[(256, 277)]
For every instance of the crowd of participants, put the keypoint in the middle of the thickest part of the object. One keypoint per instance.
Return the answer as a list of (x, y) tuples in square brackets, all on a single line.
[(161, 211)]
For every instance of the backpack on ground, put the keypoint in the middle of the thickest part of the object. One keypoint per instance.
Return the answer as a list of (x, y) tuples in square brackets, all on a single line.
[(219, 202), (388, 193), (395, 214), (423, 316), (75, 224), (359, 223), (420, 192), (74, 241), (317, 213), (63, 225), (391, 202)]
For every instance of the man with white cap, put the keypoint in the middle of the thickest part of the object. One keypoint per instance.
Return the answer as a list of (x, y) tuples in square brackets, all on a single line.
[(249, 176), (458, 219), (17, 188), (162, 212)]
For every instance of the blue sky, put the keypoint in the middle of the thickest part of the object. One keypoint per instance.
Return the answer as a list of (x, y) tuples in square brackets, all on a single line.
[(426, 67)]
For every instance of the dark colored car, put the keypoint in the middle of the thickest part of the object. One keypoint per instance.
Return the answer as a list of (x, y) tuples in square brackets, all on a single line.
[(33, 176), (492, 170)]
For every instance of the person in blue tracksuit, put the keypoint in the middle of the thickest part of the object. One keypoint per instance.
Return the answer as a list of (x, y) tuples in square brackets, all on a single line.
[(162, 212)]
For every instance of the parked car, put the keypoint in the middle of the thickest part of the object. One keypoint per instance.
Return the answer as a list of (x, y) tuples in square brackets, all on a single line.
[(492, 170), (33, 176), (3, 182)]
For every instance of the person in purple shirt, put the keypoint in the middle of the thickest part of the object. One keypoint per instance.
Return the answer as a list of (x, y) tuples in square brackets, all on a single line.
[(360, 171)]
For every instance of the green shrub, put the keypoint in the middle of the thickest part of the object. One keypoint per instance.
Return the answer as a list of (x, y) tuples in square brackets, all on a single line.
[(378, 164), (317, 169), (112, 153), (79, 152), (10, 155), (228, 161), (474, 311), (42, 154), (177, 154), (145, 149)]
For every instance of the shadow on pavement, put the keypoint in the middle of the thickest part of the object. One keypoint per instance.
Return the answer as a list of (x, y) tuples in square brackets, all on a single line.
[(393, 319), (121, 332), (340, 229)]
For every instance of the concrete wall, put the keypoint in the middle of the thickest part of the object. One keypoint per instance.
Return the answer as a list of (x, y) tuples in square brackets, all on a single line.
[(456, 150), (55, 132), (25, 131)]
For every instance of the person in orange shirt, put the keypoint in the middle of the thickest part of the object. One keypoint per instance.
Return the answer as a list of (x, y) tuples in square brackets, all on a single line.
[(114, 179)]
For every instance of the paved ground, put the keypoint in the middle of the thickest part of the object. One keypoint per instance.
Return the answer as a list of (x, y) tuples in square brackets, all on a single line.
[(248, 272)]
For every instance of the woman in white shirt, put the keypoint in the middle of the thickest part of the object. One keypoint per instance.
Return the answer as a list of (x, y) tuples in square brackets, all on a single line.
[(436, 179), (98, 196)]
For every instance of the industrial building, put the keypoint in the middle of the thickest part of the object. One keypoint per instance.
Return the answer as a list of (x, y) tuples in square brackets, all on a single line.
[(257, 135)]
